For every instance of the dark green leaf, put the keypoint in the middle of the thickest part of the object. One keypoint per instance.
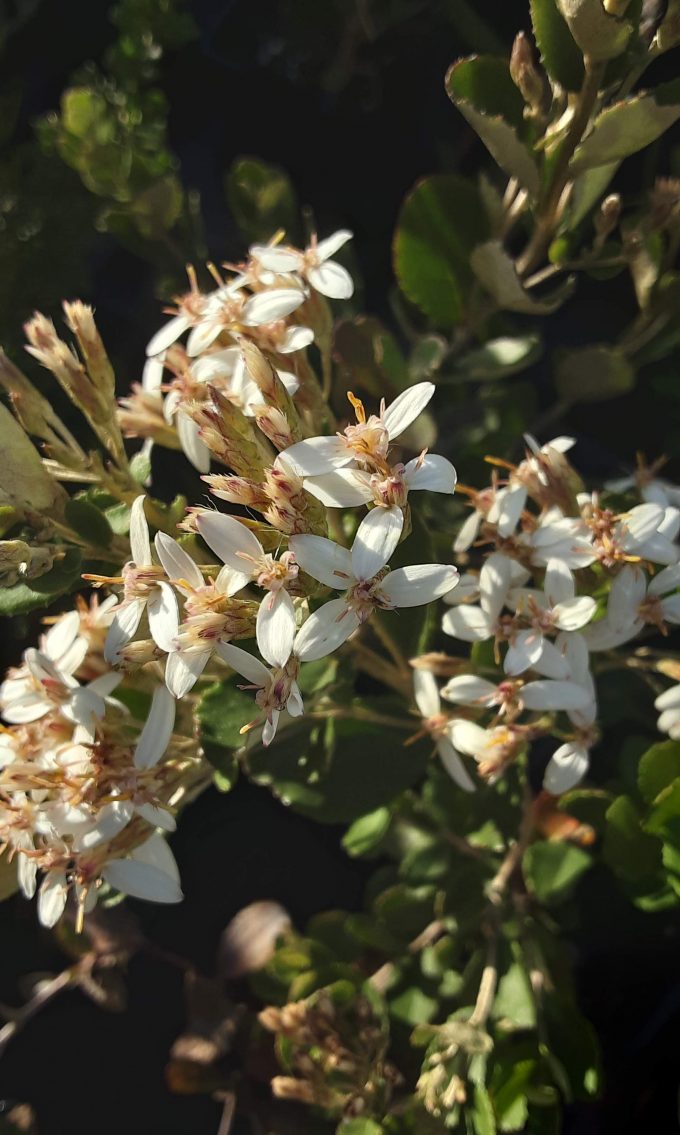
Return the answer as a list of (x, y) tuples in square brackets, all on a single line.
[(366, 833), (40, 592), (658, 768), (496, 270), (441, 221), (552, 869), (593, 374), (628, 126), (559, 54), (261, 198), (628, 849), (88, 522)]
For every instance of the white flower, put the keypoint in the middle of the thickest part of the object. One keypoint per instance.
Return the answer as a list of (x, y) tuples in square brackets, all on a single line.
[(439, 726), (557, 607), (543, 694), (150, 872), (314, 264), (365, 443), (41, 688), (344, 488), (492, 748), (564, 538), (650, 531), (473, 623), (144, 589), (634, 602), (277, 689), (652, 489), (241, 551), (360, 575)]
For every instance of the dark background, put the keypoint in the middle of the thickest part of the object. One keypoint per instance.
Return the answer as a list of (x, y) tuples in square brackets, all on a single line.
[(255, 80)]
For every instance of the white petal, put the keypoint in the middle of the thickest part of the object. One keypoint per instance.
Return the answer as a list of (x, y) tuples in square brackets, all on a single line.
[(61, 636), (270, 726), (275, 628), (468, 689), (176, 562), (317, 455), (325, 630), (551, 663), (343, 488), (183, 670), (431, 472), (111, 820), (159, 817), (567, 766), (559, 582), (574, 648), (323, 560), (152, 374), (669, 699), (524, 650), (468, 532), (195, 450), (25, 710), (73, 658), (626, 594), (659, 550), (670, 607), (123, 627), (453, 764), (667, 580), (204, 334), (572, 614), (418, 583), (27, 875), (468, 623), (167, 335), (163, 617), (235, 544), (376, 538), (274, 258), (266, 307), (52, 898), (406, 408), (141, 881), (244, 664), (471, 739), (510, 509), (494, 583), (331, 280), (426, 693), (139, 533), (155, 736), (640, 523), (332, 244), (156, 852), (295, 705), (553, 695), (295, 339)]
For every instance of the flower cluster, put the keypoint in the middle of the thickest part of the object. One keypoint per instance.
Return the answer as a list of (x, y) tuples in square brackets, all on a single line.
[(563, 578), (83, 787)]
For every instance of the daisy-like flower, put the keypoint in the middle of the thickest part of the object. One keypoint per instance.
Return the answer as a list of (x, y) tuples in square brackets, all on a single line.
[(243, 553), (39, 688), (144, 589), (314, 264), (646, 532), (367, 442), (634, 601), (439, 727), (212, 614), (512, 697), (344, 488), (476, 623), (652, 489), (362, 576), (556, 608), (560, 537), (493, 748)]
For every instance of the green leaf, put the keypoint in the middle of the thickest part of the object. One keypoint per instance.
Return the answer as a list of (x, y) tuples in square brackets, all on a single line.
[(24, 481), (598, 35), (628, 126), (552, 869), (368, 358), (496, 270), (628, 849), (88, 522), (359, 1127), (366, 833), (441, 221), (140, 467), (588, 189), (514, 1003), (38, 593), (559, 54), (593, 374), (261, 199), (221, 713), (483, 1117), (484, 93), (341, 771), (664, 819), (426, 357), (499, 358), (413, 1006), (658, 768)]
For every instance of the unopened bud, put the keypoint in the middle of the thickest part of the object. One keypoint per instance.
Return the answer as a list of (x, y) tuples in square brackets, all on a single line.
[(249, 941), (236, 490), (526, 76), (615, 7), (607, 217), (80, 320), (274, 425), (138, 653), (440, 664)]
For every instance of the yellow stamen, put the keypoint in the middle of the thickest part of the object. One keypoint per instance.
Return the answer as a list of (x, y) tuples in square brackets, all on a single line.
[(358, 407)]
